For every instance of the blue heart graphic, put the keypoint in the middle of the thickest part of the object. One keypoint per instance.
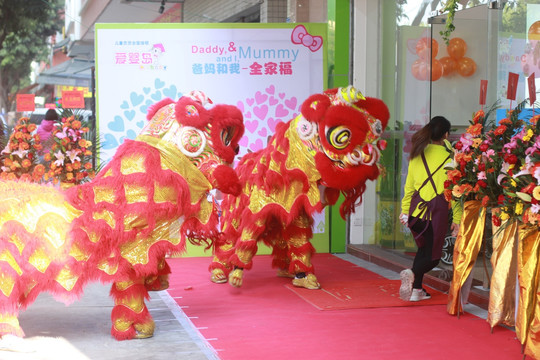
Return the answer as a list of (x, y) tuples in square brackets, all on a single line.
[(109, 142), (146, 90), (144, 109), (117, 124), (159, 84), (129, 114), (136, 99), (170, 92), (131, 134), (124, 105), (156, 96), (140, 124)]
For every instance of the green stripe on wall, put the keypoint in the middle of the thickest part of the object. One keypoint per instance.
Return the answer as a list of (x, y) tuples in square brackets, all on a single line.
[(339, 13)]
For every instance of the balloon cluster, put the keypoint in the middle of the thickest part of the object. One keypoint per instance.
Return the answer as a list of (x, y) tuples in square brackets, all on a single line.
[(455, 62)]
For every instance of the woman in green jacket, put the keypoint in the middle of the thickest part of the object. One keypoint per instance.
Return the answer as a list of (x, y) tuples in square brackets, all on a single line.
[(423, 207)]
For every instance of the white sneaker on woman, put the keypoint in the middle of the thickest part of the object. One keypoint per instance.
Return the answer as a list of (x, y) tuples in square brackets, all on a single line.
[(419, 294), (407, 279)]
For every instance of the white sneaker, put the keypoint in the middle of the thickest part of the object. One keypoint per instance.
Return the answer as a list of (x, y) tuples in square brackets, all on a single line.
[(419, 295), (407, 279)]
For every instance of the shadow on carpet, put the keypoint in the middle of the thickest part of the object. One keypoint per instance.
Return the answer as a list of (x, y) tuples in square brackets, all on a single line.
[(362, 294)]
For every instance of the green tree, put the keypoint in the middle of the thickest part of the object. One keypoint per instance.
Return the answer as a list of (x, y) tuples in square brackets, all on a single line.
[(25, 27), (514, 18)]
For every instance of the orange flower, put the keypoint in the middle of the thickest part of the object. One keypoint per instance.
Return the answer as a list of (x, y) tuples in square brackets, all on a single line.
[(47, 157), (454, 175), (76, 165), (31, 127), (88, 166), (69, 176), (26, 163), (82, 143), (39, 170), (479, 114), (475, 129), (76, 124), (69, 167), (505, 121)]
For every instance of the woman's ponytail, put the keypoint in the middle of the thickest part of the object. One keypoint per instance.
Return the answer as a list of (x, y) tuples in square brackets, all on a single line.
[(435, 130)]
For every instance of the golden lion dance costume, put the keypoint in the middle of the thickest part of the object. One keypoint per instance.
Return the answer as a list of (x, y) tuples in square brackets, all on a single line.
[(119, 227), (332, 147)]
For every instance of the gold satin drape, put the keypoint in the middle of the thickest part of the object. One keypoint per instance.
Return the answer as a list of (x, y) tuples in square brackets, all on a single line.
[(502, 294), (466, 249), (528, 312)]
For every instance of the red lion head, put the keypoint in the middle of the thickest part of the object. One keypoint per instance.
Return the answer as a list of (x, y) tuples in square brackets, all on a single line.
[(349, 128)]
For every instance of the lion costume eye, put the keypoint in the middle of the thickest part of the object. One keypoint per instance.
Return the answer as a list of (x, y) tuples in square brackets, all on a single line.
[(339, 137), (227, 135), (377, 128)]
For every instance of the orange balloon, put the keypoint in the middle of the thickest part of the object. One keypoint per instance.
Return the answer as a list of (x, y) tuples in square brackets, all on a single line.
[(466, 66), (449, 65), (419, 69), (534, 31), (425, 48), (456, 48), (436, 70)]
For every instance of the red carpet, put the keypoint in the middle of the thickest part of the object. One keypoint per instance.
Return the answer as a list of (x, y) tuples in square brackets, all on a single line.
[(362, 294), (264, 320)]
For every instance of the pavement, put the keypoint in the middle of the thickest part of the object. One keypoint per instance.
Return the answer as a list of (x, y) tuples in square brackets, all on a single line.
[(81, 331)]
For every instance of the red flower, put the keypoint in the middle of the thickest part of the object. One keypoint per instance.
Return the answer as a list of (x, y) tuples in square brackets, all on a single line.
[(510, 158), (500, 130), (459, 145), (482, 184), (500, 200), (496, 220), (484, 147)]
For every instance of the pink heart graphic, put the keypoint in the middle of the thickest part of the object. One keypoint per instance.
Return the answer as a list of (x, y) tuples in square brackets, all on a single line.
[(262, 132), (281, 95), (291, 103), (244, 141), (260, 98), (248, 115), (240, 105), (273, 101), (257, 145), (250, 101), (260, 111), (281, 111), (272, 124), (251, 126), (270, 90)]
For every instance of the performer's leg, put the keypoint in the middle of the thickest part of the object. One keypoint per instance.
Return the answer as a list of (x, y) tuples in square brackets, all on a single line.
[(130, 316), (220, 267), (160, 281), (245, 249), (298, 236)]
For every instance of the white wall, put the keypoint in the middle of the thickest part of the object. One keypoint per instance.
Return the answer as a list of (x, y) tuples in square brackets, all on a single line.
[(366, 77)]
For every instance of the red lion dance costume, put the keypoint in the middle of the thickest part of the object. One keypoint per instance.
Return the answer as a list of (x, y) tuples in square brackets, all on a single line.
[(332, 147), (120, 226)]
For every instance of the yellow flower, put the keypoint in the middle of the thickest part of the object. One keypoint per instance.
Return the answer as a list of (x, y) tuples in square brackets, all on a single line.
[(476, 142), (504, 216), (513, 182), (529, 135), (536, 193), (519, 208)]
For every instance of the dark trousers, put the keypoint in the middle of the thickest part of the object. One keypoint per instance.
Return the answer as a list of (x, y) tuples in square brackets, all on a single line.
[(423, 262)]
